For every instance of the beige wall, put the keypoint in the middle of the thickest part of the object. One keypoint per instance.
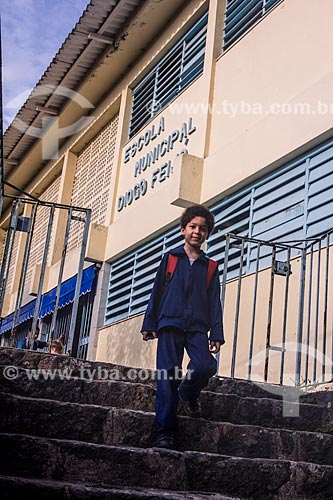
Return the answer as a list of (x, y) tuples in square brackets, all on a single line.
[(260, 70), (286, 59), (132, 223), (122, 343)]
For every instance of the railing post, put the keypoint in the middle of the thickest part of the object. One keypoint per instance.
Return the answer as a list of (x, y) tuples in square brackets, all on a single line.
[(300, 319), (285, 317), (78, 282), (327, 262), (41, 277), (238, 301), (60, 275), (254, 309), (224, 285), (269, 316), (24, 270)]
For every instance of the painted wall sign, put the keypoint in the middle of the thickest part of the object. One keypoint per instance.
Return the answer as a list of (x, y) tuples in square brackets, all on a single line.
[(160, 145)]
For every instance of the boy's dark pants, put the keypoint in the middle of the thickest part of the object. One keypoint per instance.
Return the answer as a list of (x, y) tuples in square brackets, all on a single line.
[(170, 352)]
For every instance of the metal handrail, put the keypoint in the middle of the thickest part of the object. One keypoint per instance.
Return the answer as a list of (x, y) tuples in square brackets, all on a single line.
[(306, 314)]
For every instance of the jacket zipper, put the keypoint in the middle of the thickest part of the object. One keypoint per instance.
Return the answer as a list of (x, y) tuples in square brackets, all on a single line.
[(188, 293)]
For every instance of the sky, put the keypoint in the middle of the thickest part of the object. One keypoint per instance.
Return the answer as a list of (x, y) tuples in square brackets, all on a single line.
[(32, 33)]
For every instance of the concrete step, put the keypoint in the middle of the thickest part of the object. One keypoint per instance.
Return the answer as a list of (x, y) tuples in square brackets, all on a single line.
[(319, 394), (245, 388), (95, 370), (68, 388), (114, 466), (88, 370), (114, 426), (265, 412), (232, 408), (25, 489)]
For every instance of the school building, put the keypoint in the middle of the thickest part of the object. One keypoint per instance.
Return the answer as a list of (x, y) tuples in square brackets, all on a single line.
[(149, 107)]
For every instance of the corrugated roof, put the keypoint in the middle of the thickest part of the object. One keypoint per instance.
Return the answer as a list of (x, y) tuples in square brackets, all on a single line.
[(71, 64)]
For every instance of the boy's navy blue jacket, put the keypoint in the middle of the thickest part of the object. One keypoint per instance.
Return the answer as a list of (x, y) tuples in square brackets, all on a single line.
[(185, 302)]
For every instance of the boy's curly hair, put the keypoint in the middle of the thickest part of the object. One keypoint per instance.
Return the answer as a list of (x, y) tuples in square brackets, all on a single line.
[(197, 211)]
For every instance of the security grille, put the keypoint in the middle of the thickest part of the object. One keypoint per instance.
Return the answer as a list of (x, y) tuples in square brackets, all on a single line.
[(132, 277), (240, 15), (86, 311), (83, 323), (178, 68), (93, 178), (40, 229)]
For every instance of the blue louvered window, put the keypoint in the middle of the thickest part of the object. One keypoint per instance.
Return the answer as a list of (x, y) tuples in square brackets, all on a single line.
[(240, 15), (231, 216), (178, 68), (132, 277), (294, 203)]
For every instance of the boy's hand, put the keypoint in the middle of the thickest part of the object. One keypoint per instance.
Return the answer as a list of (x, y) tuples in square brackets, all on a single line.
[(214, 346), (149, 335)]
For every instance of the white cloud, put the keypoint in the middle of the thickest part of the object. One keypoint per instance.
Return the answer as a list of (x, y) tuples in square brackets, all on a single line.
[(32, 33)]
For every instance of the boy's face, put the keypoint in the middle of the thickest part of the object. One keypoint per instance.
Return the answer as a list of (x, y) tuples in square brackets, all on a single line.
[(195, 232)]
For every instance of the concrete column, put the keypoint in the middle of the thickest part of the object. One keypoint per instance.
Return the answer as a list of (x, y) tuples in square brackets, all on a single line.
[(122, 137), (213, 51), (97, 318)]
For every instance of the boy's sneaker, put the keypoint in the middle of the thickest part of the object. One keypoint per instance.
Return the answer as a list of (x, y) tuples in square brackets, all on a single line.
[(165, 441), (192, 408)]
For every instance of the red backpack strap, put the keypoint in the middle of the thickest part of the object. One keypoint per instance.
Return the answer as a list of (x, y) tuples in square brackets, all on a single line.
[(212, 265), (171, 266)]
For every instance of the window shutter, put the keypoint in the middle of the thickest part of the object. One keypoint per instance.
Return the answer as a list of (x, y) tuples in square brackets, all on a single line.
[(120, 289), (132, 277), (292, 204), (240, 15), (278, 206), (231, 216), (194, 52), (171, 75), (320, 193)]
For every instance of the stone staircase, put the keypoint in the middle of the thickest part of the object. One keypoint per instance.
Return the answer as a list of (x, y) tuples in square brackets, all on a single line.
[(80, 433)]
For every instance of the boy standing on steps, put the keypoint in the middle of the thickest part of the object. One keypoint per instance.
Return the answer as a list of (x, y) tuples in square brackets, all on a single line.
[(183, 307)]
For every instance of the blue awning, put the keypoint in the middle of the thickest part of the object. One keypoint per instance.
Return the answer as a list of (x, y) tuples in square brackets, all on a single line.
[(67, 292), (6, 323), (26, 312)]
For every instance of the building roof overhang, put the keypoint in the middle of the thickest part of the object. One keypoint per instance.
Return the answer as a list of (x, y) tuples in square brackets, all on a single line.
[(72, 63), (109, 38)]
